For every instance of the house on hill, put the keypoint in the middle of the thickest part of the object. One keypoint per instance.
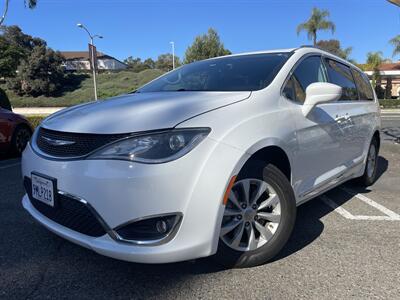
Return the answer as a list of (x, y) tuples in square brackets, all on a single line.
[(79, 60)]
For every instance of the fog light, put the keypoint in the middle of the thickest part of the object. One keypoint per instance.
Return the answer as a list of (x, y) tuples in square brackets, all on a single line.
[(162, 226), (149, 229)]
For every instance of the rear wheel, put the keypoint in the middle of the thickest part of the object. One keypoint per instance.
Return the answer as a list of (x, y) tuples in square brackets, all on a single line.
[(20, 139), (258, 219), (371, 166)]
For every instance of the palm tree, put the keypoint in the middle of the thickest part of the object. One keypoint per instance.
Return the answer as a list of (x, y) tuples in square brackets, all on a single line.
[(396, 44), (30, 3), (317, 21), (374, 60)]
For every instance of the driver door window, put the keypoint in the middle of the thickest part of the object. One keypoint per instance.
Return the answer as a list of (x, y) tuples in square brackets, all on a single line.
[(310, 70)]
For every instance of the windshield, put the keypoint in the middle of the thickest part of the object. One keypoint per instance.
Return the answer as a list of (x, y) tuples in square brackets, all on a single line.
[(233, 73)]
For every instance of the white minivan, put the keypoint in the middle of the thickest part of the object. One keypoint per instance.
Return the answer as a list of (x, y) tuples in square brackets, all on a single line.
[(210, 159)]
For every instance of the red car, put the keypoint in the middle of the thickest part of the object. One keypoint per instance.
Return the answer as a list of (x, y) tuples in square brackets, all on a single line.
[(15, 132)]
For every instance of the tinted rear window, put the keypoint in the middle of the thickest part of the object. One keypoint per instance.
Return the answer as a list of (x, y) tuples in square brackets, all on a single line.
[(364, 87), (341, 75), (235, 73)]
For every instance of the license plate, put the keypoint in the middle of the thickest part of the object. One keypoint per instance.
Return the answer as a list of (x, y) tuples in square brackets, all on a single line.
[(43, 189)]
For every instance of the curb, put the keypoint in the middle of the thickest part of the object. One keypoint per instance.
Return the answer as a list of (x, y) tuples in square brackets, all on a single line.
[(29, 111)]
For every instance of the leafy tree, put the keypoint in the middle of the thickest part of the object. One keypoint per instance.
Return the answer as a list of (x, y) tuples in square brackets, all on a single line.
[(395, 42), (40, 74), (164, 62), (388, 88), (15, 36), (9, 58), (15, 46), (30, 3), (150, 64), (374, 60), (334, 47), (380, 92), (317, 21), (206, 46), (135, 64)]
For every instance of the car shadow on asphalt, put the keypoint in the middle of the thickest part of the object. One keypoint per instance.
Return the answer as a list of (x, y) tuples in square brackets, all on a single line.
[(309, 226), (6, 156)]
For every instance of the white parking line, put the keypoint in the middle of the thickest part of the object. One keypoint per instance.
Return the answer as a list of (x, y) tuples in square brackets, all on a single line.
[(389, 214), (378, 206), (9, 166)]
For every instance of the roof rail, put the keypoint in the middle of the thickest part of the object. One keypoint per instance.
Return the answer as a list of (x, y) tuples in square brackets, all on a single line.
[(308, 46)]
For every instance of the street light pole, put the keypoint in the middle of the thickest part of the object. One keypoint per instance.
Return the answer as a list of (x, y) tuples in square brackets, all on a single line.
[(93, 59), (173, 55)]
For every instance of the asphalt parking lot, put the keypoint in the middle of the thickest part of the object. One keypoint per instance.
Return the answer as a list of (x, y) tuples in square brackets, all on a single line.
[(346, 244)]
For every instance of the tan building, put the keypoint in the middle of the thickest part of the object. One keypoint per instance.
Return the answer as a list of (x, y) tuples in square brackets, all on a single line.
[(389, 74)]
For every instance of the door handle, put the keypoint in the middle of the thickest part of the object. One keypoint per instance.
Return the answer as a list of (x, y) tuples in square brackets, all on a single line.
[(340, 119), (349, 119)]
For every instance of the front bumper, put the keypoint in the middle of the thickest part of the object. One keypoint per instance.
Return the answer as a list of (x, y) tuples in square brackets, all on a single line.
[(122, 191)]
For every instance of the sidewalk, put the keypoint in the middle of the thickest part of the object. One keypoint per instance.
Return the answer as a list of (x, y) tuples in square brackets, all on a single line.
[(390, 111), (29, 111)]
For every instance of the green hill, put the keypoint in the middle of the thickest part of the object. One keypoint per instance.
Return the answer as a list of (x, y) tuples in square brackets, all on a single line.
[(80, 88)]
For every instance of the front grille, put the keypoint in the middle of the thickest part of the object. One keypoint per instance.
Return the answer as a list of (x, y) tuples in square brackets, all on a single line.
[(68, 212), (81, 143)]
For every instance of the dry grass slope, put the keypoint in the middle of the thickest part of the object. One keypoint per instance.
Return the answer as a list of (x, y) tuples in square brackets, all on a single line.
[(109, 85)]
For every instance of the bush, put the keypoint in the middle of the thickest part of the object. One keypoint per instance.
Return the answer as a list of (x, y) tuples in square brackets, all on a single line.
[(380, 92), (35, 120), (4, 101), (390, 103)]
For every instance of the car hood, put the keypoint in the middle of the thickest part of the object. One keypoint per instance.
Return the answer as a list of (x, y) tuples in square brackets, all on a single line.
[(139, 111)]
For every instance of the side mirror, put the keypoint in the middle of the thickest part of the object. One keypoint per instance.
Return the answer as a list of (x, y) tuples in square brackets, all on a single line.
[(318, 93)]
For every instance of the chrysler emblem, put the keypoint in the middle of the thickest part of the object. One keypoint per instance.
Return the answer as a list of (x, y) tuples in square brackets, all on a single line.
[(55, 142)]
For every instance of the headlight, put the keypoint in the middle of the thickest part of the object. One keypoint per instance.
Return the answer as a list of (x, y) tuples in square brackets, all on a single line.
[(153, 148)]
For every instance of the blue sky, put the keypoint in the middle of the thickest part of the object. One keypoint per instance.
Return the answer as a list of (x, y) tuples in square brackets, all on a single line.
[(145, 28)]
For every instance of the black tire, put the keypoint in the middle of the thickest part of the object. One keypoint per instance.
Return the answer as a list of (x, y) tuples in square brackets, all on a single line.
[(232, 258), (20, 139), (369, 177)]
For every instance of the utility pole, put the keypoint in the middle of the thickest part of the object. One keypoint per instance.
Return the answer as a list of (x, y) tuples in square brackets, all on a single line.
[(4, 13), (93, 56), (173, 55)]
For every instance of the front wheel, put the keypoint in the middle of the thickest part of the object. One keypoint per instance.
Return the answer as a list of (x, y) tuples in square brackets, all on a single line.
[(20, 139), (258, 219)]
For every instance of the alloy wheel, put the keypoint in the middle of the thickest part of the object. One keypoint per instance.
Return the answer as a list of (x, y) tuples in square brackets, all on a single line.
[(252, 215)]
